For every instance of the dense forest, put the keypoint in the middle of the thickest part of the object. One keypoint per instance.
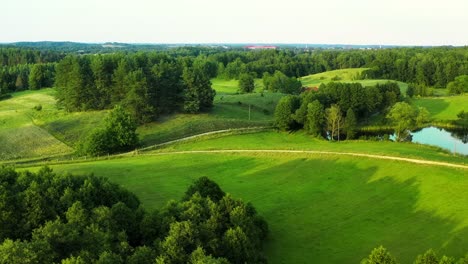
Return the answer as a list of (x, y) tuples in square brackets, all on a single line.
[(148, 84), (50, 218)]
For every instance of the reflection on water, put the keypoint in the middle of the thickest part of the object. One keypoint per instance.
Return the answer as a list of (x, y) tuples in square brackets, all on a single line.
[(455, 141)]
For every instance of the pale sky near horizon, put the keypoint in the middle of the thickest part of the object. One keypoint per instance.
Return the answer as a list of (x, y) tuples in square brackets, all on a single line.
[(391, 22)]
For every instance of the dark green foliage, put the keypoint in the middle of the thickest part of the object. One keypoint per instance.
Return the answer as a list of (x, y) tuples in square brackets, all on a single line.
[(459, 85), (410, 91), (145, 84), (59, 216), (315, 118), (137, 100), (418, 90), (284, 111), (226, 228), (350, 124), (198, 93), (246, 83), (118, 134), (429, 257), (379, 255), (206, 188), (49, 218), (41, 75), (279, 82)]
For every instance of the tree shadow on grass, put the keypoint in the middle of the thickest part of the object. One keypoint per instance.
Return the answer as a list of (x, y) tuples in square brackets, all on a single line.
[(434, 105), (329, 211)]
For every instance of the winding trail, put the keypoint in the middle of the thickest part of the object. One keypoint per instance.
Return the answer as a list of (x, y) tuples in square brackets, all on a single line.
[(417, 161)]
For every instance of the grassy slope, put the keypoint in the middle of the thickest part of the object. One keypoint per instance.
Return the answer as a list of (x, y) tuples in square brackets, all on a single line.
[(229, 111), (329, 209), (41, 129), (444, 108), (20, 136), (344, 75), (302, 141), (223, 86)]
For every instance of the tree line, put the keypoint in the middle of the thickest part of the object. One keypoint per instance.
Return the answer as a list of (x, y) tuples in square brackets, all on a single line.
[(50, 218), (381, 255), (145, 84), (335, 109), (423, 67)]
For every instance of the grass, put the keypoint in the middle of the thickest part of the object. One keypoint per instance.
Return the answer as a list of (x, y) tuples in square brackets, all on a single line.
[(345, 75), (20, 136), (45, 130), (229, 111), (444, 108), (302, 141), (321, 209), (223, 86)]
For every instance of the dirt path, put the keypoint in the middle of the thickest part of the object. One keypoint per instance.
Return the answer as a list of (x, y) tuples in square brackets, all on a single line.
[(417, 161)]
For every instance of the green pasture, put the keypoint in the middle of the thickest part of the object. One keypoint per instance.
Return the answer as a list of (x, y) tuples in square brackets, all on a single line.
[(444, 108), (350, 74), (320, 208), (20, 135), (301, 141), (347, 76), (229, 111), (222, 86)]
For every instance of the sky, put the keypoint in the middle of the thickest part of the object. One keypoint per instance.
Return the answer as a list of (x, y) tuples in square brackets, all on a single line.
[(379, 22)]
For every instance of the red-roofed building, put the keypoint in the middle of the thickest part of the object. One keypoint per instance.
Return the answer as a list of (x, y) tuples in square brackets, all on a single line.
[(254, 47)]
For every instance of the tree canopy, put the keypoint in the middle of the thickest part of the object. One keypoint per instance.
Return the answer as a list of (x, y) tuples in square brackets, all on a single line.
[(51, 218)]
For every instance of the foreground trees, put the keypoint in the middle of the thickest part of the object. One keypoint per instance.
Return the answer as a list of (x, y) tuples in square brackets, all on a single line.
[(47, 218), (381, 255)]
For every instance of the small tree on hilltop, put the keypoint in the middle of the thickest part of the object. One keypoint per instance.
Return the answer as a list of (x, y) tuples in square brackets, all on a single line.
[(246, 83), (118, 134)]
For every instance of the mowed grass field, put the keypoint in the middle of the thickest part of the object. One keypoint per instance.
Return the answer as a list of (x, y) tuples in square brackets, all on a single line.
[(320, 208), (444, 108), (20, 135)]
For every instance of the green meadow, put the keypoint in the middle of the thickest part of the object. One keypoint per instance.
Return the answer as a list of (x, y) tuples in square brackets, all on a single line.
[(444, 108), (329, 208), (20, 134), (345, 75)]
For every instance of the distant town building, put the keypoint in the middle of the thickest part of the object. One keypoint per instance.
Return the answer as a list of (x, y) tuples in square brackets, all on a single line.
[(255, 47)]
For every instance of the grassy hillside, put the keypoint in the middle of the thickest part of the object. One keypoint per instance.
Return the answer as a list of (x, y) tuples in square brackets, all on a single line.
[(229, 111), (20, 135), (344, 75), (329, 209), (444, 108), (27, 133), (302, 141), (232, 86)]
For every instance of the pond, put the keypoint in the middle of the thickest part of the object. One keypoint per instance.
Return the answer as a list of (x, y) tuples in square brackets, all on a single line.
[(454, 141)]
